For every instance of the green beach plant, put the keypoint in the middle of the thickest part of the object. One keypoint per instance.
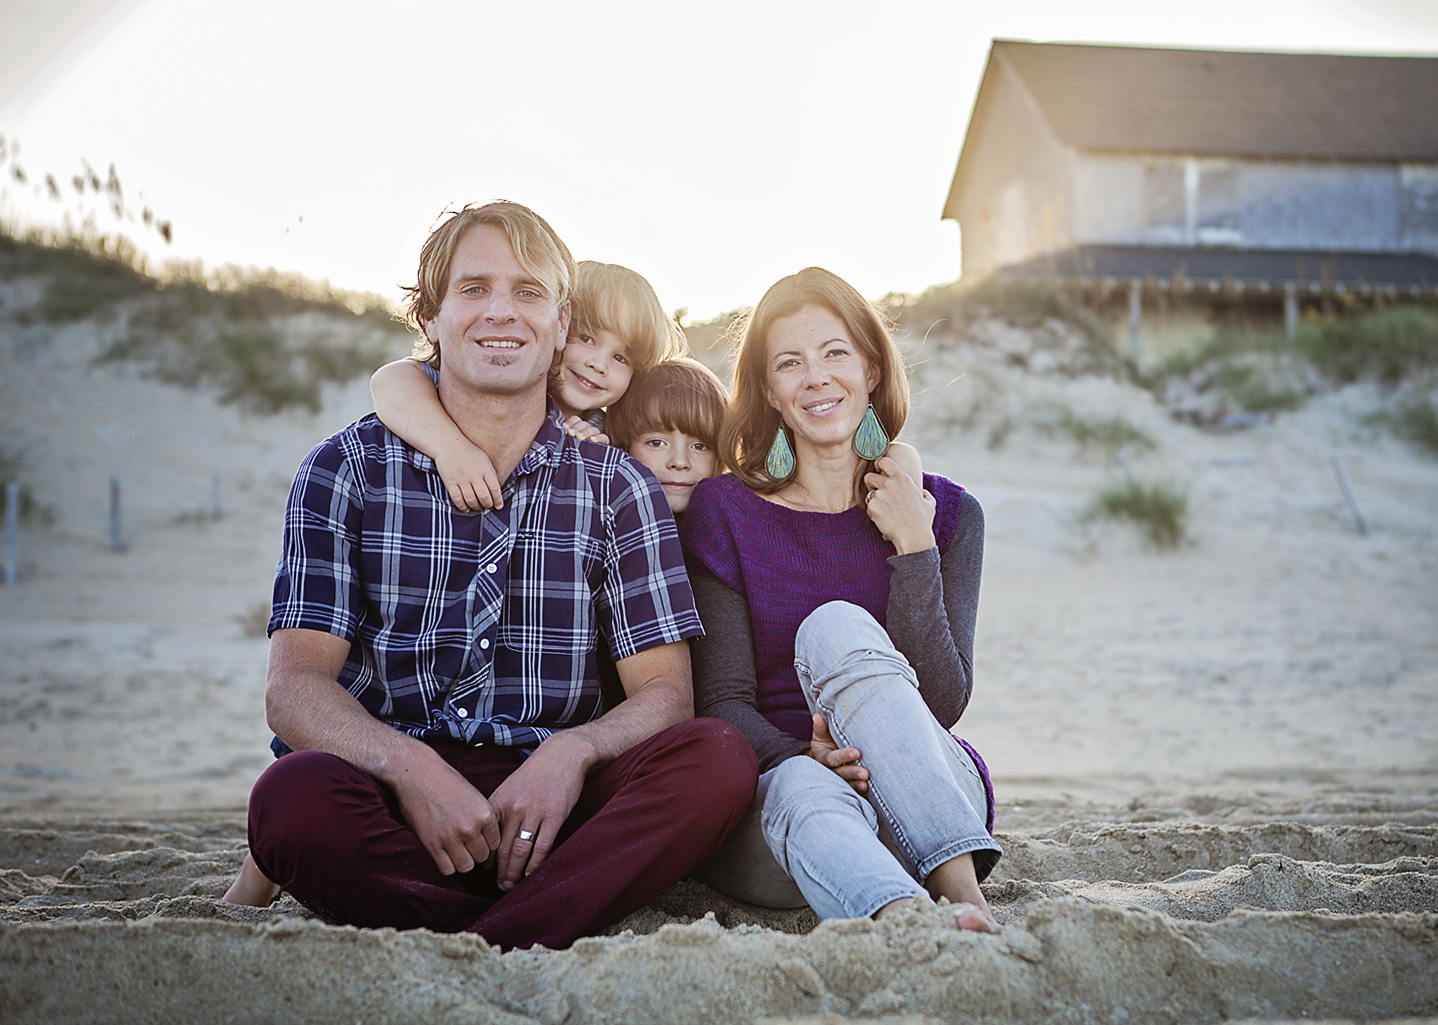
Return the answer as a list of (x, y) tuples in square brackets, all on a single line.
[(1025, 302), (268, 341), (1414, 419), (1159, 510), (1389, 346), (1109, 433)]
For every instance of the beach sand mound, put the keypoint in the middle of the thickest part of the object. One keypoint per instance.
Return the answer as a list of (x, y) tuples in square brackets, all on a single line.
[(133, 929), (1067, 959)]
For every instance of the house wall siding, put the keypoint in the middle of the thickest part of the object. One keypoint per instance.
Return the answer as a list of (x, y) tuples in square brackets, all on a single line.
[(1108, 198), (1018, 196)]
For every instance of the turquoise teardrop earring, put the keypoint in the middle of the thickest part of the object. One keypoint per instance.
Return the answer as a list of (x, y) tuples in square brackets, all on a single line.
[(779, 463), (870, 441)]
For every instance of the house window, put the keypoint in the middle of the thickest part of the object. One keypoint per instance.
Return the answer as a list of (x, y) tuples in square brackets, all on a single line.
[(1418, 207), (1218, 204), (1165, 203)]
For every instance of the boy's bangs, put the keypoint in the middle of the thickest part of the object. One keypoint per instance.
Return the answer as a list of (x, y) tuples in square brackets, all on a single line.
[(671, 397)]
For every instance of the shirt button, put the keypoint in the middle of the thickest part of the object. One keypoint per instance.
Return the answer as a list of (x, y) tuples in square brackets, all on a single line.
[(491, 568), (463, 714), (484, 644)]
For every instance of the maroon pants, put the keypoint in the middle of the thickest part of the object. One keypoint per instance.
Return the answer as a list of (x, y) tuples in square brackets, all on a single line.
[(331, 835)]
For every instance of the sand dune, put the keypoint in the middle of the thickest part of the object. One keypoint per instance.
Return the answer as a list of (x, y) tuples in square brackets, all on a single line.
[(1217, 781)]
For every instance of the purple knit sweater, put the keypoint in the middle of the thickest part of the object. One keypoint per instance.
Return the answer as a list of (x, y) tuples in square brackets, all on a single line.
[(786, 563)]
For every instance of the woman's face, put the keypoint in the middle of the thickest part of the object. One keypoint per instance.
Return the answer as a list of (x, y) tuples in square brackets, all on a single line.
[(817, 378)]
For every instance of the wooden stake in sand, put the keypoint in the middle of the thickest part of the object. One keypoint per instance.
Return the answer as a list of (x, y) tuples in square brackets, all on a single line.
[(117, 538), (1359, 523), (1123, 465), (12, 531)]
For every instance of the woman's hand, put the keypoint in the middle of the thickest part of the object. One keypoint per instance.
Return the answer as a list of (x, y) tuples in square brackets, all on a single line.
[(901, 509), (843, 760)]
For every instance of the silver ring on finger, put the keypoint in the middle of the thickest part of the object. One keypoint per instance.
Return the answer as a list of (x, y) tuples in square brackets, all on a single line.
[(869, 497), (526, 835)]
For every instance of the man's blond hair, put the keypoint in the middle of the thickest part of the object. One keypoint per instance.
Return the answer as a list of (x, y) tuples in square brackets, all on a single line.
[(537, 248)]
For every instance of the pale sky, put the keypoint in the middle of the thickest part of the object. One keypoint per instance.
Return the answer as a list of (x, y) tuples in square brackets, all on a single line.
[(714, 149)]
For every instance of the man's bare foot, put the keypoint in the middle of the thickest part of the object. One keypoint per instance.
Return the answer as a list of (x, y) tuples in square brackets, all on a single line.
[(251, 888), (972, 918)]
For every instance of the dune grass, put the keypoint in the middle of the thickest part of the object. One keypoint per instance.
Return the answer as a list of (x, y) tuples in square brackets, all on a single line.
[(268, 341), (1414, 419), (1254, 369), (13, 471), (1389, 346), (1262, 372), (1109, 433), (1026, 302), (80, 279), (1160, 511)]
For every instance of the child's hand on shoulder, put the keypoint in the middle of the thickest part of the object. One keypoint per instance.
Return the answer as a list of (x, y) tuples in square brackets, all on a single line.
[(580, 428), (469, 477)]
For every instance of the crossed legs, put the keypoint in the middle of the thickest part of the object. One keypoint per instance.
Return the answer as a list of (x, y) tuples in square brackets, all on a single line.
[(923, 816), (332, 836)]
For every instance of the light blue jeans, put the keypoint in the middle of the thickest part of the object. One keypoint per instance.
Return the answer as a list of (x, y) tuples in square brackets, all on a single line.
[(809, 837)]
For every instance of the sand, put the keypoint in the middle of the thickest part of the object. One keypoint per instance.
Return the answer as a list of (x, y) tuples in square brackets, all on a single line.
[(1216, 767)]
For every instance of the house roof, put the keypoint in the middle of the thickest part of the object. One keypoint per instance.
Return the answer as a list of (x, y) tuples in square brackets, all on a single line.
[(1230, 103)]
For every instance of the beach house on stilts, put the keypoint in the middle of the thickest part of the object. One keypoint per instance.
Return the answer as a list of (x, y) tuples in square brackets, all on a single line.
[(1139, 174)]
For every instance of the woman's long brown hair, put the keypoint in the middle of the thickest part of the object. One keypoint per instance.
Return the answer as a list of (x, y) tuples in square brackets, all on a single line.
[(750, 423)]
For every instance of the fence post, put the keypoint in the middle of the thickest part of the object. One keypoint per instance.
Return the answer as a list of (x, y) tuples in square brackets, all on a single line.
[(12, 532), (218, 510), (1290, 312), (117, 538)]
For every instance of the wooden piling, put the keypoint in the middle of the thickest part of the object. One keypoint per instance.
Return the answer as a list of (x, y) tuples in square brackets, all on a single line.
[(1135, 318)]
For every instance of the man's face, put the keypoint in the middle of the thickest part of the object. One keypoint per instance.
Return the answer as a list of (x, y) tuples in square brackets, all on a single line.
[(498, 328)]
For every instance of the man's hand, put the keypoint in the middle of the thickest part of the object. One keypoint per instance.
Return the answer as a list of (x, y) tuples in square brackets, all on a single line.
[(843, 760), (535, 801), (455, 823), (310, 711), (469, 477), (538, 797)]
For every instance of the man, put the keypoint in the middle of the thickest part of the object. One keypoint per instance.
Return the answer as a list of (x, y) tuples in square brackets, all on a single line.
[(434, 671)]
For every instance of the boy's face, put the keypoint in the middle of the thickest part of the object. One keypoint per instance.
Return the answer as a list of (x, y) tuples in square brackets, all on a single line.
[(678, 460), (593, 372)]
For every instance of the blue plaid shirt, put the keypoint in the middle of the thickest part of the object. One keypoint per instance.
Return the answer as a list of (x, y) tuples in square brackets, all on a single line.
[(480, 627)]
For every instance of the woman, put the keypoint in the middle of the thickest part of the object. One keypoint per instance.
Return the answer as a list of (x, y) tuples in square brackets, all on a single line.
[(839, 597)]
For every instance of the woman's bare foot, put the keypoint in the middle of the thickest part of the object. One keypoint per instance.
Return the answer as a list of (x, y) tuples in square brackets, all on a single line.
[(891, 907), (251, 888), (974, 919), (955, 880)]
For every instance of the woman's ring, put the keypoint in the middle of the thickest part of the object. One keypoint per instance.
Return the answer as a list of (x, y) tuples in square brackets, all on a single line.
[(526, 835), (869, 497)]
